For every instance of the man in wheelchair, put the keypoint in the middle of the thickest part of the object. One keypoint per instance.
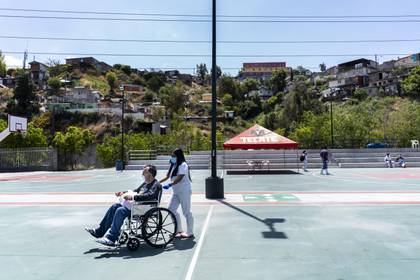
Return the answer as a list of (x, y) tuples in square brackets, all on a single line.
[(116, 214)]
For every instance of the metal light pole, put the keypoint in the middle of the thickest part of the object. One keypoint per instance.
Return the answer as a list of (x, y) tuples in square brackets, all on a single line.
[(214, 184), (122, 127), (332, 121)]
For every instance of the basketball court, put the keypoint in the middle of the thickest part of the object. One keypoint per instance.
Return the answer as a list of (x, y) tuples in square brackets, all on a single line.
[(353, 224)]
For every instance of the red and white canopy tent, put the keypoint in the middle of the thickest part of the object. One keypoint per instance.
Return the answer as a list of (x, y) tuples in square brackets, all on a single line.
[(260, 138)]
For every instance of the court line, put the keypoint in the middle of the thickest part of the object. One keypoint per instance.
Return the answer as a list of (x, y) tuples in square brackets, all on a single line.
[(332, 177), (227, 193), (199, 245)]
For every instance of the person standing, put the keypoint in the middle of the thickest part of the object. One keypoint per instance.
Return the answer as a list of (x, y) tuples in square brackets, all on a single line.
[(304, 158), (180, 181), (324, 158)]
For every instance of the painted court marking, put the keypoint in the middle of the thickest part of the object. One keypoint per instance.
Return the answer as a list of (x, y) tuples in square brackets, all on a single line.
[(250, 198), (199, 245)]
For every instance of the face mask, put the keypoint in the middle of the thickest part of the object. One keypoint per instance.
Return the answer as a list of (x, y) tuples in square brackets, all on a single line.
[(172, 160)]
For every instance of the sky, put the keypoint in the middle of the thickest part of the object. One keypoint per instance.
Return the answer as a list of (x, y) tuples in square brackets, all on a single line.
[(232, 31)]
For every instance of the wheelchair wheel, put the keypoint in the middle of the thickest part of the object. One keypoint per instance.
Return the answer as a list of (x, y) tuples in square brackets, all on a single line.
[(123, 238), (159, 227), (133, 244)]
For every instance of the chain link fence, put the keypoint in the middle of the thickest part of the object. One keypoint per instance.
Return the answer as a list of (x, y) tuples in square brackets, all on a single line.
[(28, 159)]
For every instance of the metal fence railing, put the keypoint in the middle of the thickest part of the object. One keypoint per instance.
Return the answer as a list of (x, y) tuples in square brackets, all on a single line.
[(142, 154), (28, 159)]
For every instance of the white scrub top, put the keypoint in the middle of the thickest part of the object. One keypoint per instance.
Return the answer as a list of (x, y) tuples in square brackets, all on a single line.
[(185, 183)]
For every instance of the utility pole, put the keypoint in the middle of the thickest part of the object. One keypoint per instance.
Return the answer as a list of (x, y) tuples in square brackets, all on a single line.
[(214, 184), (25, 58)]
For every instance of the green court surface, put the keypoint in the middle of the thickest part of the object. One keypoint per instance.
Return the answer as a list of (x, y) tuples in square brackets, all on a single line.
[(353, 224)]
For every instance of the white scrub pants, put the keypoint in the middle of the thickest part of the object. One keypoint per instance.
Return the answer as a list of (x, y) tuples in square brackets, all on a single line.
[(182, 197)]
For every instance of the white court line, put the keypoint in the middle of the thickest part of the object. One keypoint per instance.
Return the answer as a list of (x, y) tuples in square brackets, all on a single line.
[(199, 245)]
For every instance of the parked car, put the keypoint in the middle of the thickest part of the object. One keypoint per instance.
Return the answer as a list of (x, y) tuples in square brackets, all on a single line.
[(378, 145)]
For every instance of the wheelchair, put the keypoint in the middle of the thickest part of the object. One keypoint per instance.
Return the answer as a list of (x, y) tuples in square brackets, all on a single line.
[(155, 225)]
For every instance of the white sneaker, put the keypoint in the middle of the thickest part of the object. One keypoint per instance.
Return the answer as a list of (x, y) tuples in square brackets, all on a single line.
[(105, 241)]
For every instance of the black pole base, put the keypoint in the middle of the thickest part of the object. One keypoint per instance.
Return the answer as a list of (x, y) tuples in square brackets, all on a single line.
[(214, 188)]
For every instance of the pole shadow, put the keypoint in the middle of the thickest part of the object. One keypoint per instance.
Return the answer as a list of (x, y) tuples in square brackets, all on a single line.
[(269, 222)]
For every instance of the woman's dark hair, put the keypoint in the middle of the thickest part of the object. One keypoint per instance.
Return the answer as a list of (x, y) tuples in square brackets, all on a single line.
[(180, 158)]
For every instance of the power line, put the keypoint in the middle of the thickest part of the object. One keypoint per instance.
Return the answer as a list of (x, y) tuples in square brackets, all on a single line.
[(208, 20), (206, 55), (207, 41), (206, 15)]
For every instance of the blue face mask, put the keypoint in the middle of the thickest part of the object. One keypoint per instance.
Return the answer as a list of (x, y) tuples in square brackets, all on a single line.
[(172, 160)]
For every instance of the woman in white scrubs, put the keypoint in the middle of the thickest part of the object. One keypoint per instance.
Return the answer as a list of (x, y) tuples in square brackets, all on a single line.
[(180, 181)]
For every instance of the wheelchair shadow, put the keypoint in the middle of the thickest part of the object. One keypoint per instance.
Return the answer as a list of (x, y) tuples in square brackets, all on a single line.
[(269, 222), (143, 251)]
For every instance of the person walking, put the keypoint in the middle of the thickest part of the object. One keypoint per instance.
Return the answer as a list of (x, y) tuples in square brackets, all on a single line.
[(180, 181), (324, 158), (304, 159), (388, 161)]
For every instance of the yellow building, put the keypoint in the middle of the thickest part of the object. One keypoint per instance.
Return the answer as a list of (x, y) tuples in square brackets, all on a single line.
[(261, 70)]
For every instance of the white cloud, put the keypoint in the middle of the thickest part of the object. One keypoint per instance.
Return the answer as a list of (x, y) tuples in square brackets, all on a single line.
[(12, 61)]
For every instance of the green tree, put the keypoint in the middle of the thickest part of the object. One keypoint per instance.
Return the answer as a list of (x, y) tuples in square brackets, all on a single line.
[(149, 96), (296, 102), (277, 82), (202, 72), (155, 81), (227, 85), (111, 78), (360, 94), (34, 137), (74, 142), (24, 98), (227, 100), (248, 85), (3, 66), (173, 98), (54, 83), (411, 85), (126, 69), (218, 72)]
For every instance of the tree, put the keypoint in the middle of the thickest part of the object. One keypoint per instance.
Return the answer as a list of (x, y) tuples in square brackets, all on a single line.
[(360, 94), (323, 67), (218, 72), (3, 66), (23, 103), (73, 142), (126, 69), (155, 81), (112, 80), (202, 72), (296, 102), (34, 137), (277, 82), (227, 85), (173, 98), (54, 83), (411, 85), (227, 100), (248, 85), (149, 96)]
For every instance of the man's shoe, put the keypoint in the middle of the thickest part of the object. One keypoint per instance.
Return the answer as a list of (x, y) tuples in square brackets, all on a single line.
[(105, 241), (92, 232)]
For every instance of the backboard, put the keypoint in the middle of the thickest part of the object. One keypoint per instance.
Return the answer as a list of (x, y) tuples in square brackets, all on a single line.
[(17, 124)]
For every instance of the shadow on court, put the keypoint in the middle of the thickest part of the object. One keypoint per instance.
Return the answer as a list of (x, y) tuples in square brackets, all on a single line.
[(143, 251), (269, 222)]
